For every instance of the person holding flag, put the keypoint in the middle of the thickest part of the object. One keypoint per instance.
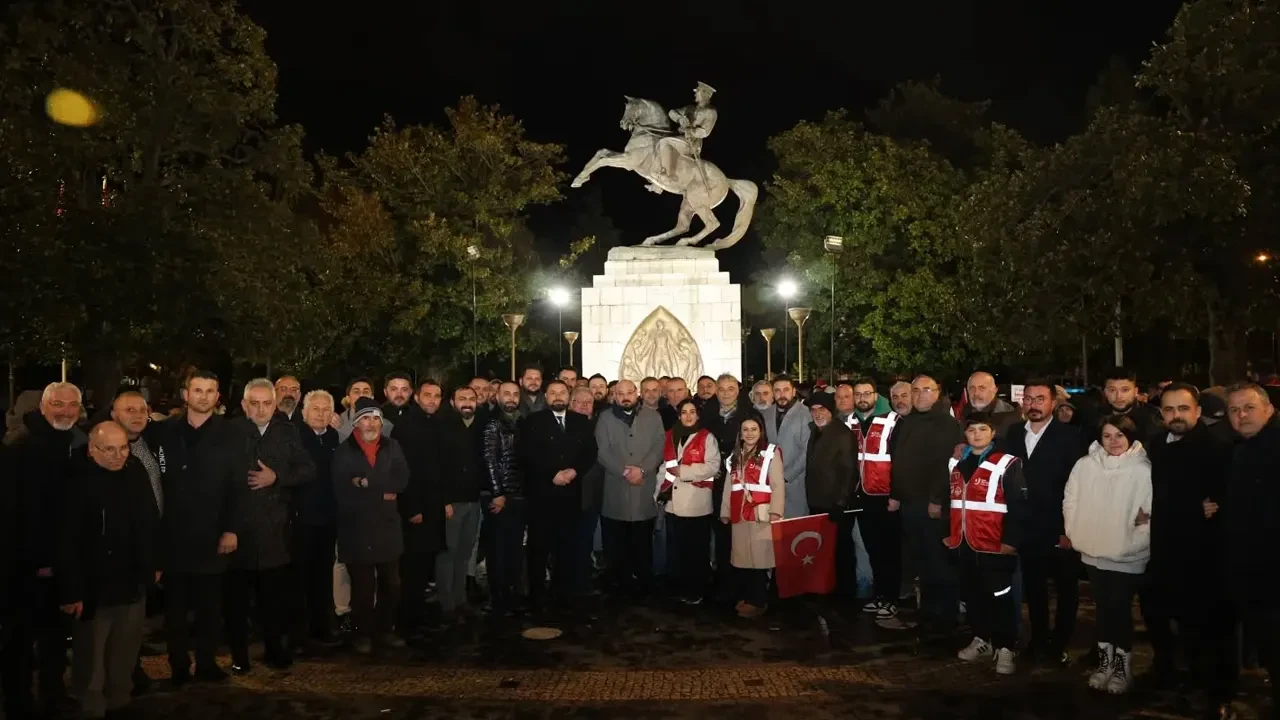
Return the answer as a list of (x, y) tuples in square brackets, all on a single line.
[(755, 497), (988, 517)]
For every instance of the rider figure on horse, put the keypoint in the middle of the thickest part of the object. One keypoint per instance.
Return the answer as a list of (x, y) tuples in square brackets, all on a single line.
[(696, 122)]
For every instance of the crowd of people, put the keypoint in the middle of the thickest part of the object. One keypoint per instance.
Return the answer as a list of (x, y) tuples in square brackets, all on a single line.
[(325, 521)]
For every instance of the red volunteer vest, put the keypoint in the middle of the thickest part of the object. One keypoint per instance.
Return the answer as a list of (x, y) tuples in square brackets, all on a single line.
[(978, 507), (695, 452), (750, 487), (874, 463)]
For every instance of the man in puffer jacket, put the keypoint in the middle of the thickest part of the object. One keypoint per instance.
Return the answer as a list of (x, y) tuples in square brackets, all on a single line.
[(1106, 509)]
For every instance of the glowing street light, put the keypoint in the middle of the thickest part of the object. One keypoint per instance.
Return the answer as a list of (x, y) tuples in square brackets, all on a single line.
[(560, 298), (787, 289), (1262, 257)]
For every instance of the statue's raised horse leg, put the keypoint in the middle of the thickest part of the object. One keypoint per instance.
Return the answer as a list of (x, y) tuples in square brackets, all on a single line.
[(602, 158), (683, 220)]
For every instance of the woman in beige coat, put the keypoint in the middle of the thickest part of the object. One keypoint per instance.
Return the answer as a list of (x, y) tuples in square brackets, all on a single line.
[(754, 496)]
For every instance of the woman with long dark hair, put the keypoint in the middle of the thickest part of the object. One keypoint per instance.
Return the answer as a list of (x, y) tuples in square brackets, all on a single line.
[(691, 460), (754, 497)]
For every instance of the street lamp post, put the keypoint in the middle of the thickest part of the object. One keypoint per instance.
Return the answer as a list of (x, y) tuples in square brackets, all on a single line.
[(559, 297), (800, 315), (473, 252), (513, 321), (572, 337), (787, 289), (833, 245), (768, 334)]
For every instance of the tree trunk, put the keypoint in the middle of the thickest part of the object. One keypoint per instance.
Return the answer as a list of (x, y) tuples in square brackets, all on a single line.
[(1213, 341)]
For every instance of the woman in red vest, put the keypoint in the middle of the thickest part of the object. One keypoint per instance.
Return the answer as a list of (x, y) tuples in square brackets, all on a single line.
[(988, 512), (754, 497), (691, 460)]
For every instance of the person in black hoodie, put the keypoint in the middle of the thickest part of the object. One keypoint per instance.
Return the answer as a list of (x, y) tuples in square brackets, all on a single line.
[(35, 468), (830, 484), (1251, 522), (105, 563), (419, 432), (267, 453), (199, 525), (920, 446), (460, 491), (1189, 471), (398, 391), (315, 528), (1049, 449), (1121, 393)]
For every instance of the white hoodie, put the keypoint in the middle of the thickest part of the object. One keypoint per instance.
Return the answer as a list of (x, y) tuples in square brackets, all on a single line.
[(1102, 500)]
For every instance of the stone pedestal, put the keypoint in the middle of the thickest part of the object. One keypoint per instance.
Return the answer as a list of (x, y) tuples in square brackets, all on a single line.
[(661, 311)]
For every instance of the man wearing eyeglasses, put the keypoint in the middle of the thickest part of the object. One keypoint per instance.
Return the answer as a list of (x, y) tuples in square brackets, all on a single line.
[(35, 469), (920, 446)]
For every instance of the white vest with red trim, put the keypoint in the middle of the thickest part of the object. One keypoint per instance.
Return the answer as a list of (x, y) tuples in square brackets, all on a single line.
[(749, 489), (874, 463), (688, 499), (978, 506)]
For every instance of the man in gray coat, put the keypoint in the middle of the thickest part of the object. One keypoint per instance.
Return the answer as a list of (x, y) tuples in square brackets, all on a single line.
[(630, 439), (787, 426)]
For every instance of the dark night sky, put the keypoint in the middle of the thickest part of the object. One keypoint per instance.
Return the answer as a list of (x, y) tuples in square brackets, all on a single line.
[(562, 67)]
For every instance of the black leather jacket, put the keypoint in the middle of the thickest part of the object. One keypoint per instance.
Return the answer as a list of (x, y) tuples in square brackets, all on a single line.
[(501, 458)]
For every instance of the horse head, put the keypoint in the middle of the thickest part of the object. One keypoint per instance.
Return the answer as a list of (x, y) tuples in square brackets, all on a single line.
[(643, 113)]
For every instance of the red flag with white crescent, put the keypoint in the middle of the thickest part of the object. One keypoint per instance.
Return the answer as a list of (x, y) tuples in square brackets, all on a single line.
[(804, 555)]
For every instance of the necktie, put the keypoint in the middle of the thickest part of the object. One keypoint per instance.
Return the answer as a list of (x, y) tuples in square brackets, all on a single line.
[(560, 419)]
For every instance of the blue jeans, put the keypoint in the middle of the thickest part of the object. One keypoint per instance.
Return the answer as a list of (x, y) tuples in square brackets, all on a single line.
[(939, 592)]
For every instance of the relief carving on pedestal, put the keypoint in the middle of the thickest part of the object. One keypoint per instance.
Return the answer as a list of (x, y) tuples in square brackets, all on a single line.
[(661, 345)]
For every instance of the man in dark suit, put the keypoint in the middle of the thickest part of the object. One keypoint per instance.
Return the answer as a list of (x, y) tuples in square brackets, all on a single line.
[(723, 418), (557, 452), (1049, 450)]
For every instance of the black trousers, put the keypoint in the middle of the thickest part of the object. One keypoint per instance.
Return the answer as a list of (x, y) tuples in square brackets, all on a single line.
[(187, 593), (689, 554), (1113, 594), (375, 597), (754, 587), (882, 535), (628, 549), (986, 583), (846, 554), (1207, 623), (1041, 564), (502, 537), (417, 568), (1264, 624), (312, 582), (34, 644), (723, 534), (554, 532), (271, 591)]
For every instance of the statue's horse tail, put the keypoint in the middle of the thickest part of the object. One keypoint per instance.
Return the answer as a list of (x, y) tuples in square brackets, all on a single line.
[(747, 193)]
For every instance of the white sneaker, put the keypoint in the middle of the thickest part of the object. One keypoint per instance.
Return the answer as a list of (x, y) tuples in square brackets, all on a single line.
[(872, 607), (977, 650), (1005, 664), (1119, 682), (886, 611), (1103, 654)]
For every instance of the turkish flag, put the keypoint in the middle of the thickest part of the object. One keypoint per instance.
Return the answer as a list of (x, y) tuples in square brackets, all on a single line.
[(804, 554)]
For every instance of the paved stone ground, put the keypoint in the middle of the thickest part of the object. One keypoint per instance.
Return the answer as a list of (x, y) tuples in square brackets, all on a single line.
[(807, 659)]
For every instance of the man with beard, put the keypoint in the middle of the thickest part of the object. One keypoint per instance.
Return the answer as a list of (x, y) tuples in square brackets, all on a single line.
[(569, 377), (762, 396), (504, 521), (1251, 522), (1049, 450), (398, 391), (531, 397), (1189, 472), (419, 432), (267, 454), (790, 432), (460, 457), (651, 394), (485, 406), (706, 391), (630, 440), (288, 395), (900, 398), (872, 423), (36, 469), (831, 477), (202, 492), (1121, 391), (130, 410), (344, 422), (981, 391), (724, 423), (921, 446), (599, 387), (677, 391), (557, 451)]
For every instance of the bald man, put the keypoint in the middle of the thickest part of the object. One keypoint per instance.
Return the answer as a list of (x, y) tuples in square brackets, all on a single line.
[(105, 563), (629, 439), (982, 393)]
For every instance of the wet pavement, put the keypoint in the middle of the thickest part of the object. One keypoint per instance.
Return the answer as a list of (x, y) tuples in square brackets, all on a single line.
[(806, 659)]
